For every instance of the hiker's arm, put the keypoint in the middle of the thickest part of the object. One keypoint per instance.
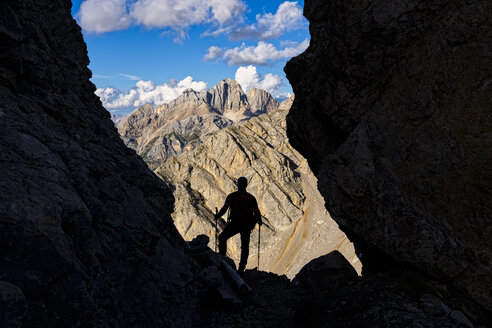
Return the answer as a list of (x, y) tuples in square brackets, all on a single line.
[(223, 210)]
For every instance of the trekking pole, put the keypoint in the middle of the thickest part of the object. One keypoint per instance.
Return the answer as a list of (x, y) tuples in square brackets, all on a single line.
[(259, 229), (216, 230)]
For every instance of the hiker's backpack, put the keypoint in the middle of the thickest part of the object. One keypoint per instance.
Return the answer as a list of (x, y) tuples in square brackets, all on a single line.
[(243, 208)]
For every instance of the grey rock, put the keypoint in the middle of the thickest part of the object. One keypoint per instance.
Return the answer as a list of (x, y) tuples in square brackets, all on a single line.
[(392, 112), (261, 101), (433, 305), (85, 226), (212, 276), (228, 98), (460, 318), (13, 305), (326, 271)]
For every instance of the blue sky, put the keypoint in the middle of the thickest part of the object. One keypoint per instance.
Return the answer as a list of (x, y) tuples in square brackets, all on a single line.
[(149, 51)]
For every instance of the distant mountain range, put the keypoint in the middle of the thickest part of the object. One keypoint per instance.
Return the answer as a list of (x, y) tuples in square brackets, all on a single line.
[(169, 129), (116, 118)]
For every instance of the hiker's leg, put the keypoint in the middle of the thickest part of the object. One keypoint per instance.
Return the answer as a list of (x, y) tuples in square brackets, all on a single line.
[(229, 231), (244, 250)]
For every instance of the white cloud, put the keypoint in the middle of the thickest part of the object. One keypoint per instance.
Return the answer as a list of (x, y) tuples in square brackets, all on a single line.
[(146, 92), (283, 96), (262, 54), (130, 77), (213, 53), (100, 16), (106, 94), (268, 26), (248, 78), (183, 13)]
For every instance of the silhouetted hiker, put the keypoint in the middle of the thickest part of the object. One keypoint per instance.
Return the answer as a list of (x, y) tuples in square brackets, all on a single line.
[(244, 214)]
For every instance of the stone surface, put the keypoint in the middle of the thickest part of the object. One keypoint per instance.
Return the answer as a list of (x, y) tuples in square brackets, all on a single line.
[(12, 305), (373, 300), (298, 227), (85, 227), (392, 112), (261, 101), (228, 98), (326, 270)]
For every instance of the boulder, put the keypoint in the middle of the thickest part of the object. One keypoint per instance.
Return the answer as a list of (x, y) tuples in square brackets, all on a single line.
[(12, 305), (326, 271)]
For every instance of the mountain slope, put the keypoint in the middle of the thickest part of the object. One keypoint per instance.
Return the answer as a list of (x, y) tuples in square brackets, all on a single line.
[(278, 177)]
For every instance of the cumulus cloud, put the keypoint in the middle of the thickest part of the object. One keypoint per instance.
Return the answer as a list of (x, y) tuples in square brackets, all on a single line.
[(268, 26), (248, 78), (213, 53), (101, 16), (146, 92), (262, 54)]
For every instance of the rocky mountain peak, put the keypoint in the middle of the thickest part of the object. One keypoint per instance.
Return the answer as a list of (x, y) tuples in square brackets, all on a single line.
[(261, 101), (228, 98), (229, 83), (286, 104), (188, 96), (171, 128)]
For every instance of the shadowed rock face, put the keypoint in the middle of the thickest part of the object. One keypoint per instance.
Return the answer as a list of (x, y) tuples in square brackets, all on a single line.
[(392, 111), (85, 231)]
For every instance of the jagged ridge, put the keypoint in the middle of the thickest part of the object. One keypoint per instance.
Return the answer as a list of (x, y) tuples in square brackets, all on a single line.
[(157, 134)]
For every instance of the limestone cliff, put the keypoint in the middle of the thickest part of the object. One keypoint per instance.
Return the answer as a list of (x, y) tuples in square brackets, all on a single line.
[(261, 101), (86, 236), (298, 227), (392, 112), (168, 130)]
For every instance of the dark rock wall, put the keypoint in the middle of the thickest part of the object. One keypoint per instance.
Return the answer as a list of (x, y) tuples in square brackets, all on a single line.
[(393, 112), (85, 232)]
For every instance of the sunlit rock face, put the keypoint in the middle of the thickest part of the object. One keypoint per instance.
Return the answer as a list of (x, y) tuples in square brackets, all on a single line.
[(298, 227), (392, 112), (169, 129), (86, 236)]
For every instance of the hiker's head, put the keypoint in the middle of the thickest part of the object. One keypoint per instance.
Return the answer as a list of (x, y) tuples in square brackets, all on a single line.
[(242, 183)]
